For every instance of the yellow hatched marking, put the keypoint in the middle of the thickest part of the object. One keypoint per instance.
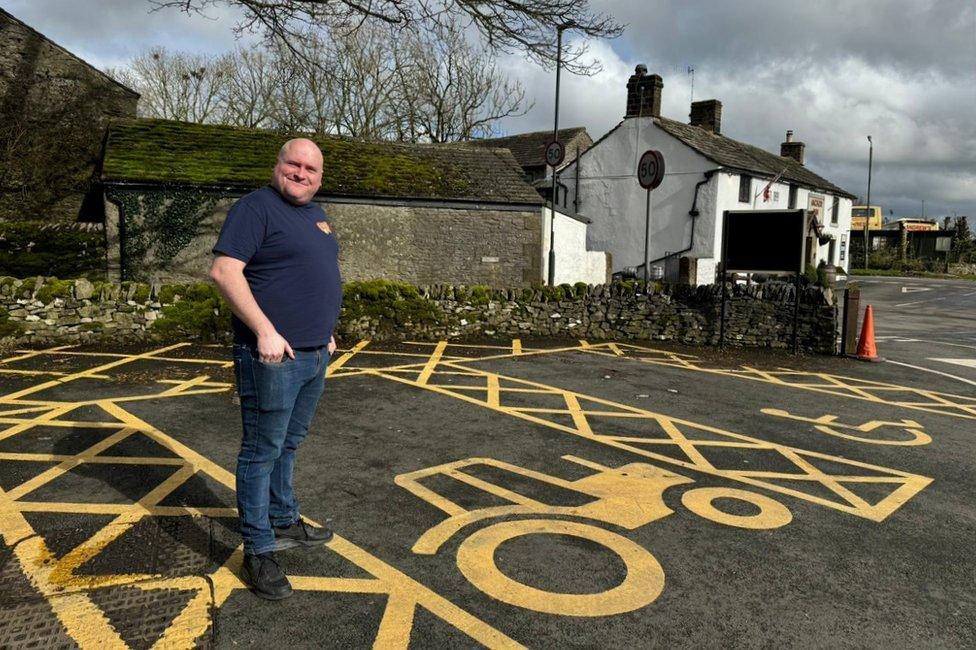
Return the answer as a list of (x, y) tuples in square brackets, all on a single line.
[(66, 591), (516, 347), (346, 356), (435, 358), (848, 502)]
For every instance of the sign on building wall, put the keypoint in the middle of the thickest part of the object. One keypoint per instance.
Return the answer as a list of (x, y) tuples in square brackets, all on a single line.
[(778, 249), (815, 205)]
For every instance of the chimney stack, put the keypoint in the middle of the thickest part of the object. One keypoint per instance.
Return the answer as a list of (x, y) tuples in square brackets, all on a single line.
[(707, 114), (644, 93), (790, 149)]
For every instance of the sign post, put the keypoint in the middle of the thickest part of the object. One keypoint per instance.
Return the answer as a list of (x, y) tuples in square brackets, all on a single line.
[(555, 152), (650, 173)]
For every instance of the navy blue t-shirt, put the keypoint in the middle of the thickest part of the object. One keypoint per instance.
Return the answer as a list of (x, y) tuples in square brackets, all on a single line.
[(291, 265)]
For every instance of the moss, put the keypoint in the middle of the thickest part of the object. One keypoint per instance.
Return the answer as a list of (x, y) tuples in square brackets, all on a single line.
[(167, 293), (200, 314), (388, 302), (54, 288), (480, 295), (141, 295), (31, 248), (7, 281), (207, 154), (93, 326)]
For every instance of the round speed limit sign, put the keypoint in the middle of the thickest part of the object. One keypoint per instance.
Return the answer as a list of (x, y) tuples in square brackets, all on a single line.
[(555, 152), (650, 169)]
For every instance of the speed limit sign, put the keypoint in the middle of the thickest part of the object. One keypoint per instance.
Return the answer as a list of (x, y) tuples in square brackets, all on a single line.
[(650, 169), (555, 152)]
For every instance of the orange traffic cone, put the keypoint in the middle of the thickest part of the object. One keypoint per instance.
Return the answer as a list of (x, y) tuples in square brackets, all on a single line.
[(866, 350)]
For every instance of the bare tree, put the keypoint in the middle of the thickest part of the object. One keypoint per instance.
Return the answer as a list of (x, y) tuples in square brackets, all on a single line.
[(178, 86), (248, 92), (451, 90), (506, 25), (422, 87)]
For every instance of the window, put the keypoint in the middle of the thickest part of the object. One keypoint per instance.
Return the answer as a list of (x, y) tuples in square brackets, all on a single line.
[(831, 252), (835, 212), (793, 191), (745, 188)]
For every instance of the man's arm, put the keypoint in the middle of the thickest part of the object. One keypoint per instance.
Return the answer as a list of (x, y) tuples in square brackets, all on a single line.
[(228, 274)]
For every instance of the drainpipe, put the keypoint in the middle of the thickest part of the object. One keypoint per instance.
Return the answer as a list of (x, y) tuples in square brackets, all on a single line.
[(693, 213)]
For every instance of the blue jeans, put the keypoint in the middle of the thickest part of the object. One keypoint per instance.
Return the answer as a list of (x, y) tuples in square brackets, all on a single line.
[(278, 401)]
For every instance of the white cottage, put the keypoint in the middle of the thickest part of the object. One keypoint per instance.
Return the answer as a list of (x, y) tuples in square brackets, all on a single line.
[(706, 173)]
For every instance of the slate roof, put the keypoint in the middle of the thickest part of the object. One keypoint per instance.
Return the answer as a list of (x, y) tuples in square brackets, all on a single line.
[(745, 157), (529, 149), (179, 153)]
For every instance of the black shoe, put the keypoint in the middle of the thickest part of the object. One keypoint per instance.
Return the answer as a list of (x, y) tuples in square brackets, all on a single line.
[(265, 577), (300, 534)]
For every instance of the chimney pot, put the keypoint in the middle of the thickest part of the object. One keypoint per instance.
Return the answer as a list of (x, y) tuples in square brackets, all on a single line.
[(707, 114), (644, 93), (789, 135)]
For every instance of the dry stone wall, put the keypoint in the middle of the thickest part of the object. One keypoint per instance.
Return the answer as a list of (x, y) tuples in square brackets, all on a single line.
[(38, 311)]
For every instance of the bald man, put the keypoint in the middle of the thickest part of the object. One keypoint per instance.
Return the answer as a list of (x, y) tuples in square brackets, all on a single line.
[(276, 264)]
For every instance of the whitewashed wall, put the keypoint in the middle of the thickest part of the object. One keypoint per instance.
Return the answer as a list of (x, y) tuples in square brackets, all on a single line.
[(728, 199), (574, 263), (610, 196)]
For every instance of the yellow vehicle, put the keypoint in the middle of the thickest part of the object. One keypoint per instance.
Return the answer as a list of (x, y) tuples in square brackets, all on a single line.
[(872, 213)]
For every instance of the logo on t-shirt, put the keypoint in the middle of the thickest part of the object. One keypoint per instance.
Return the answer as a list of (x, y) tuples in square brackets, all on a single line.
[(324, 227)]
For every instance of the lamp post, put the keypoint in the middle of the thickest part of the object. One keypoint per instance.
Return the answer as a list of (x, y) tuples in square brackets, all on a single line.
[(867, 219), (555, 137)]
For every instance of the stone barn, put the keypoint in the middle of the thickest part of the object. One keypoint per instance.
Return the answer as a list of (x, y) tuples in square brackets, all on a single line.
[(418, 213), (53, 110)]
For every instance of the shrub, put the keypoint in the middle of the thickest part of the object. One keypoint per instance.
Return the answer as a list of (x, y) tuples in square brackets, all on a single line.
[(38, 248)]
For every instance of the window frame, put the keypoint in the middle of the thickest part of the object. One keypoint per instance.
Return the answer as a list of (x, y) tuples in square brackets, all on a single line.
[(745, 184)]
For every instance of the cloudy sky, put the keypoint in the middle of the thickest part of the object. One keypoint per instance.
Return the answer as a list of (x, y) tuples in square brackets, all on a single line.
[(903, 71)]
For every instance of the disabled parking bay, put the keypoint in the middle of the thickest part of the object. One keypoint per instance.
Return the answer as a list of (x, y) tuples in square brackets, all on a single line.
[(533, 493)]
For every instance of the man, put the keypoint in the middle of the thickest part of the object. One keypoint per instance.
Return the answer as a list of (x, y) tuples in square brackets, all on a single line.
[(277, 266)]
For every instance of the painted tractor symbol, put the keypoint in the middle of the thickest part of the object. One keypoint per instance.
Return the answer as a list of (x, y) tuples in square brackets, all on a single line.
[(629, 496)]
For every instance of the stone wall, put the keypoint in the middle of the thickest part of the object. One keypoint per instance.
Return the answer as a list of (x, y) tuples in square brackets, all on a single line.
[(36, 311), (415, 243), (53, 107)]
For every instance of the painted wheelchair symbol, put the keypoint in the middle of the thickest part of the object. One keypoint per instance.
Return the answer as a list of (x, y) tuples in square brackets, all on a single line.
[(629, 496)]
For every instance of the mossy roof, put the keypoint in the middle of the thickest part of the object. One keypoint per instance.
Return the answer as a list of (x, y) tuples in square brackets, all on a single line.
[(168, 152)]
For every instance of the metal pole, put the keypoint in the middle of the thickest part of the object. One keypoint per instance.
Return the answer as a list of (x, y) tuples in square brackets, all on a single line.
[(867, 219), (555, 137), (647, 235)]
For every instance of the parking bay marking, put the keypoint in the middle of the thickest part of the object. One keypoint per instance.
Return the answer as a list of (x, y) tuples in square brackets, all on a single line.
[(68, 593), (693, 441)]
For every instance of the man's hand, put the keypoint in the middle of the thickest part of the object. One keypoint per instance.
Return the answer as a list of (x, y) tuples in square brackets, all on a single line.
[(272, 348), (331, 347)]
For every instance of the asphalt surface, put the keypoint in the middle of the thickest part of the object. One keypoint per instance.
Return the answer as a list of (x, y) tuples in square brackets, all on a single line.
[(652, 498), (927, 323)]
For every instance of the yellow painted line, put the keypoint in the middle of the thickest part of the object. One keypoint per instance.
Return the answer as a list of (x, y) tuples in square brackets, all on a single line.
[(396, 580), (493, 394), (346, 356), (85, 373), (516, 347), (435, 358), (491, 488), (113, 460), (28, 354), (67, 465), (616, 350), (912, 484), (396, 624)]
